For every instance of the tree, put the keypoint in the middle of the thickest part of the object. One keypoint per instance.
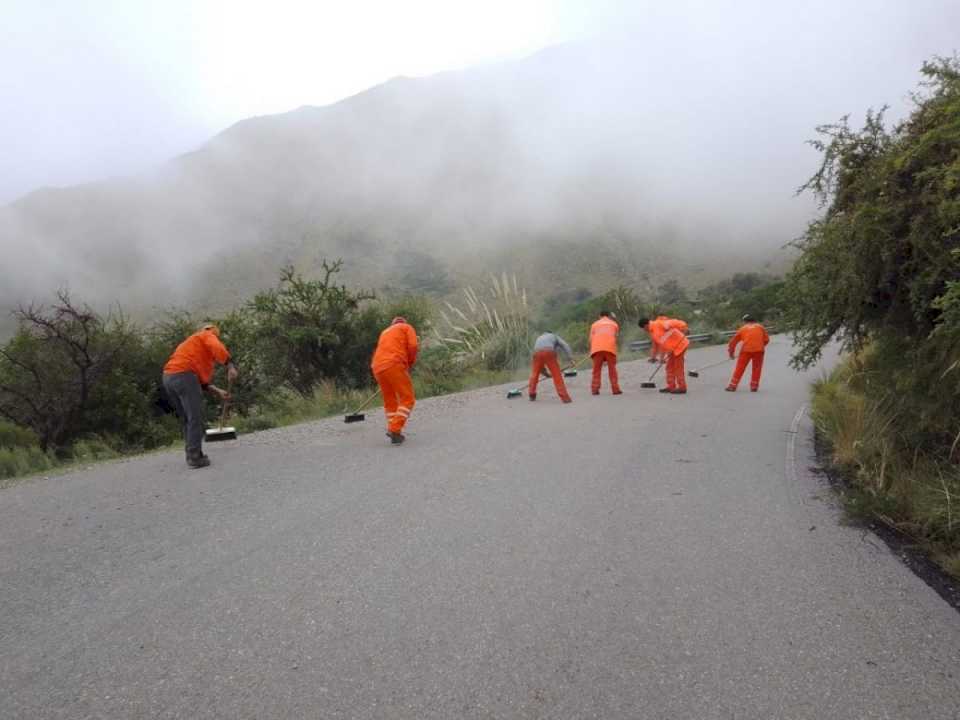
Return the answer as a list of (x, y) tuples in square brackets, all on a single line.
[(880, 266), (52, 369)]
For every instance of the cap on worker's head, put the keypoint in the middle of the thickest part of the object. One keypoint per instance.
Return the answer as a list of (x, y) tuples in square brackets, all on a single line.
[(398, 319), (604, 313), (747, 318), (210, 327), (644, 322)]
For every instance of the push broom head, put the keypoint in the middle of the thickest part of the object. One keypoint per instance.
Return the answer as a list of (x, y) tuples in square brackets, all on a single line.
[(648, 385), (693, 373), (516, 392), (221, 433), (569, 373), (354, 417)]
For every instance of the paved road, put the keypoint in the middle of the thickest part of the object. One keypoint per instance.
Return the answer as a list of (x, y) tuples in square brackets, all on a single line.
[(641, 556)]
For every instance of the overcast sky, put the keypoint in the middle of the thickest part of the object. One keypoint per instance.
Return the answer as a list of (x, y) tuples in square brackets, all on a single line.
[(96, 88)]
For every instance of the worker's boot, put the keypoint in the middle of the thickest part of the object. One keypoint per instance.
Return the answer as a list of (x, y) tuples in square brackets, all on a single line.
[(730, 388), (533, 396), (753, 389), (618, 391), (666, 390), (196, 459), (567, 400), (680, 391), (396, 438)]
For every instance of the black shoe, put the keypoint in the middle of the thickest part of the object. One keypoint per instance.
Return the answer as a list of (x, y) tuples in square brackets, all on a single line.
[(533, 396), (567, 400), (197, 459), (396, 438), (680, 391), (618, 392), (730, 388), (753, 389), (666, 390), (594, 392)]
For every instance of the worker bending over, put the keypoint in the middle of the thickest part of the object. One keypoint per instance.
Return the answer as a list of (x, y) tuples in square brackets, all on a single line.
[(754, 338), (396, 353), (186, 376), (603, 349), (656, 327), (669, 337), (545, 350)]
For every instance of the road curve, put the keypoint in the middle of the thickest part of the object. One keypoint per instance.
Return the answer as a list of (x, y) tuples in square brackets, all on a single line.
[(640, 556)]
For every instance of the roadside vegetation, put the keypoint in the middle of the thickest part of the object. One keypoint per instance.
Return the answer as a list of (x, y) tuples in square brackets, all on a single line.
[(880, 272)]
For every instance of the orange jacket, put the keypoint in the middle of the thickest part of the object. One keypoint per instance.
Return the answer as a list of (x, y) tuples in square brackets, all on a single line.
[(603, 336), (197, 354), (656, 329), (753, 336), (674, 341), (397, 346), (675, 323)]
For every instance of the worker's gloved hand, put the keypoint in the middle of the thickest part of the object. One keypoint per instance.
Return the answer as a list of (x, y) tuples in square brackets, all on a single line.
[(653, 361), (232, 373), (731, 356)]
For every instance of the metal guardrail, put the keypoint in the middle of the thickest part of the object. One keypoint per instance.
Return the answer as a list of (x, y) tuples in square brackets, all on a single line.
[(699, 337)]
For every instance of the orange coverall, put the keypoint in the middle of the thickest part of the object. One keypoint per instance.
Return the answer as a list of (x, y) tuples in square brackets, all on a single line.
[(754, 338), (603, 349), (396, 353), (675, 344), (548, 359)]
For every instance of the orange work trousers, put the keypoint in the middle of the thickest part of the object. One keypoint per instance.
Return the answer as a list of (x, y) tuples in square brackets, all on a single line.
[(548, 359), (398, 400), (599, 358), (676, 376), (756, 358)]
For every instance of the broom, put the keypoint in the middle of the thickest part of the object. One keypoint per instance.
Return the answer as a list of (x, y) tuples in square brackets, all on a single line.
[(356, 415), (572, 370), (220, 432), (696, 373), (649, 383)]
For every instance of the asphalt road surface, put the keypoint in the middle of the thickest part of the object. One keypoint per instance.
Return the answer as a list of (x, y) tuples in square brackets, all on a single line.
[(640, 556)]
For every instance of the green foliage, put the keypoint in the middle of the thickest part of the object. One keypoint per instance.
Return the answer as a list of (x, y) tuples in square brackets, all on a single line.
[(14, 436), (881, 257), (492, 332), (17, 461), (882, 264)]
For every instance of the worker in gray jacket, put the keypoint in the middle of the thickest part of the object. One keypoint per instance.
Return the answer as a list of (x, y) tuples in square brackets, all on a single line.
[(545, 351)]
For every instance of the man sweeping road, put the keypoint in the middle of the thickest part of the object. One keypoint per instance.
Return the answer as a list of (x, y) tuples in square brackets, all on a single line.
[(669, 336), (186, 376), (603, 349), (754, 338), (545, 350), (396, 353)]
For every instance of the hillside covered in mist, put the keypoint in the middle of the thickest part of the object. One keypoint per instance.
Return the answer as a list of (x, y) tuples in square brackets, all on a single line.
[(580, 166)]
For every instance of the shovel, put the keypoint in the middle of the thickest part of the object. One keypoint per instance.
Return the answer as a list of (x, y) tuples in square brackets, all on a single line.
[(356, 415), (220, 432), (649, 384), (696, 373)]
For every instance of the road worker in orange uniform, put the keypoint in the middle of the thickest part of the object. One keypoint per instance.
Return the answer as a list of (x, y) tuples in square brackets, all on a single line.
[(669, 337), (545, 350), (603, 349), (396, 353), (186, 376), (754, 338)]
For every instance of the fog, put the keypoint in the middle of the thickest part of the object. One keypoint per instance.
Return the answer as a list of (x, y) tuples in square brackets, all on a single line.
[(669, 140)]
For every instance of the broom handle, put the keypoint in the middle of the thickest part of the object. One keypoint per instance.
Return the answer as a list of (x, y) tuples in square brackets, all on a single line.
[(656, 370), (226, 404), (366, 402), (707, 367)]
